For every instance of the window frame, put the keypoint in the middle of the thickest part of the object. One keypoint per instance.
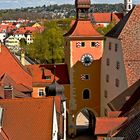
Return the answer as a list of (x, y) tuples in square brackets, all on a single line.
[(89, 94), (110, 46), (83, 45), (117, 82), (41, 95)]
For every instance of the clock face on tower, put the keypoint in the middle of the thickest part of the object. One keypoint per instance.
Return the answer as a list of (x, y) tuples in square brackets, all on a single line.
[(87, 59)]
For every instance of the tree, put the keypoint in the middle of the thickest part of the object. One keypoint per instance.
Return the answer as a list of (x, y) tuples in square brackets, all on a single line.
[(48, 46), (105, 30)]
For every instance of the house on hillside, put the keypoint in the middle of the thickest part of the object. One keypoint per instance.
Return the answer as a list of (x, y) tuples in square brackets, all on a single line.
[(12, 43), (104, 19)]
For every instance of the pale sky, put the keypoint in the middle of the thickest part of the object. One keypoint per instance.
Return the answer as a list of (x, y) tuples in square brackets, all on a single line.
[(32, 3)]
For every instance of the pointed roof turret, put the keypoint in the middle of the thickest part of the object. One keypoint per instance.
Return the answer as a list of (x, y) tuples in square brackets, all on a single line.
[(83, 28), (82, 8), (82, 4)]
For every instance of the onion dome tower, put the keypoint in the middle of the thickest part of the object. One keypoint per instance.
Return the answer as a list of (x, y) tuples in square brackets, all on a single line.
[(55, 89), (82, 8)]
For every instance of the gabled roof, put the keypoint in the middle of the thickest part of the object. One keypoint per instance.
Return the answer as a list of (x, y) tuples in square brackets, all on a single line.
[(104, 125), (18, 89), (39, 72), (129, 104), (11, 66), (130, 130), (106, 17), (116, 31), (33, 117), (83, 28), (121, 100)]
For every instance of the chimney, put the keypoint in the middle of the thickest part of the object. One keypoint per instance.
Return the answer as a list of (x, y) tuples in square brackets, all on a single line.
[(8, 92), (22, 59)]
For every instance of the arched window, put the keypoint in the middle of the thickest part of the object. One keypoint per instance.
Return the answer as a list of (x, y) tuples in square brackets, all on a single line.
[(86, 94)]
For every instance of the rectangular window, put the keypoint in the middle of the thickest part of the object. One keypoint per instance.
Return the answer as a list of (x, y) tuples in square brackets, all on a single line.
[(107, 78), (117, 65), (117, 82), (109, 45), (105, 94), (48, 77), (95, 44), (85, 77), (41, 92), (116, 47), (107, 61), (82, 44)]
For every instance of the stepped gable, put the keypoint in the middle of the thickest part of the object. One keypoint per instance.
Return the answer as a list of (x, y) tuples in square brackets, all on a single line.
[(128, 31), (11, 66)]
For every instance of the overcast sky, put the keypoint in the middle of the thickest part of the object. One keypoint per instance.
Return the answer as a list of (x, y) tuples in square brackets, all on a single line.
[(31, 3)]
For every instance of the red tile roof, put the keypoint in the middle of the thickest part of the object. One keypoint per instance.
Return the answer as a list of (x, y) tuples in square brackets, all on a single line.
[(134, 98), (18, 89), (104, 125), (12, 67), (107, 17), (37, 73), (83, 28), (28, 119), (113, 113)]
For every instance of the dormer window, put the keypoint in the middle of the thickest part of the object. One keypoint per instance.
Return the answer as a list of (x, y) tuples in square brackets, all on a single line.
[(48, 77)]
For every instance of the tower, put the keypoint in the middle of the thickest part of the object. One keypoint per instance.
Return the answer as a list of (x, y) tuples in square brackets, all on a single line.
[(128, 5), (83, 52)]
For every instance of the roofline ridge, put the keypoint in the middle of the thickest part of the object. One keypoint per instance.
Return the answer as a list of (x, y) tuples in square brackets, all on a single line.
[(17, 60)]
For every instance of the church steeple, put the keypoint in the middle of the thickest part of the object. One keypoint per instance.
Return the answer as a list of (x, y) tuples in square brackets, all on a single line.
[(82, 8), (128, 5)]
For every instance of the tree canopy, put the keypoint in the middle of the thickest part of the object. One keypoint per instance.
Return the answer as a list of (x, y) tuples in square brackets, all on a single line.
[(48, 46)]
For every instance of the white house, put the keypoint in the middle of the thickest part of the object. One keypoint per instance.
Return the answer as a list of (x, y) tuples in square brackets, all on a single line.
[(12, 43)]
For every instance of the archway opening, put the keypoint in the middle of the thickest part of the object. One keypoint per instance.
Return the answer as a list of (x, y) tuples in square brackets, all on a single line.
[(85, 123)]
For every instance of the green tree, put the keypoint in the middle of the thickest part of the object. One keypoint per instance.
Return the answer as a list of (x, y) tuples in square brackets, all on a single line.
[(48, 46), (105, 30)]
